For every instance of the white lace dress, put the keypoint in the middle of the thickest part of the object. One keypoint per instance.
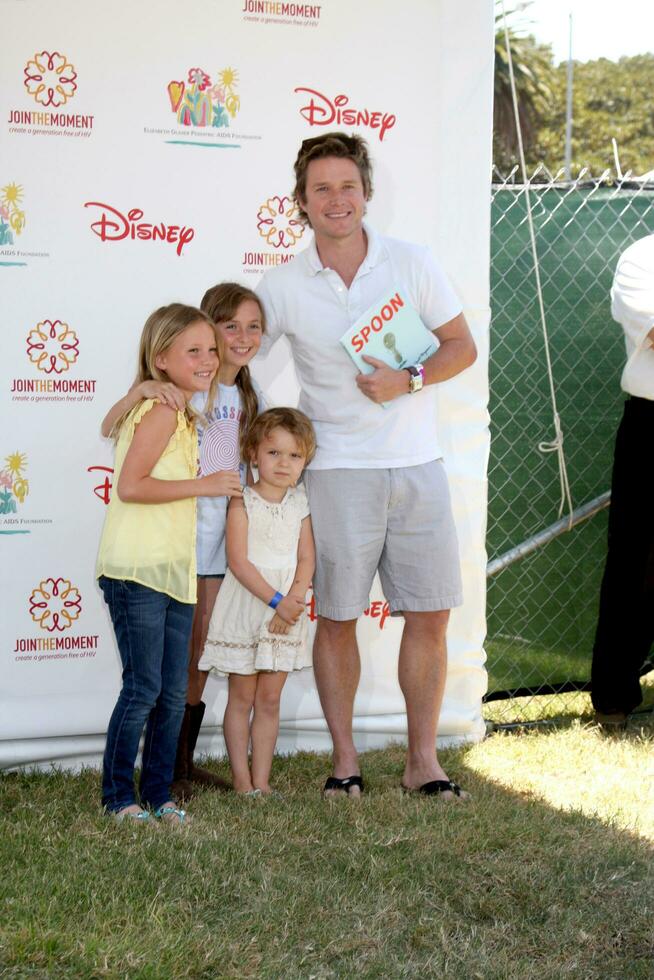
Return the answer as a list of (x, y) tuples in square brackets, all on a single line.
[(238, 641)]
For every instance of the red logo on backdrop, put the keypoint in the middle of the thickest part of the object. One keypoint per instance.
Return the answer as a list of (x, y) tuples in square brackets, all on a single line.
[(376, 610), (322, 111), (103, 490), (55, 604), (113, 226)]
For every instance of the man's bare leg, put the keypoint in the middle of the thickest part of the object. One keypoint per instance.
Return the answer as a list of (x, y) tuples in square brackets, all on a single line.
[(422, 671), (337, 669)]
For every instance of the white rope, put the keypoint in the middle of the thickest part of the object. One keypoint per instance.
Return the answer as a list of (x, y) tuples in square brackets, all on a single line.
[(556, 445)]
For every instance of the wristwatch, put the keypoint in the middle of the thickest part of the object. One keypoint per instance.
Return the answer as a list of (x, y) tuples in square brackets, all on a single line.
[(417, 377)]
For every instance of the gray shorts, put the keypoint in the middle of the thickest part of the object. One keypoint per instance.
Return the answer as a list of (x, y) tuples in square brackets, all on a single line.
[(398, 521)]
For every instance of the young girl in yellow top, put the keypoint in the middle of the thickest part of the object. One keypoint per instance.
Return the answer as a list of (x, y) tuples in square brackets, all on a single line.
[(240, 324), (146, 565)]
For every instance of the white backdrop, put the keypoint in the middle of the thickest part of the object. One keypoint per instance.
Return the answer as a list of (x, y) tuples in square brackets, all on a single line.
[(114, 119)]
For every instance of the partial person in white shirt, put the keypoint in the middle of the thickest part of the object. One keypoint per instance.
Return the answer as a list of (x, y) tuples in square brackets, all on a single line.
[(625, 627), (377, 486)]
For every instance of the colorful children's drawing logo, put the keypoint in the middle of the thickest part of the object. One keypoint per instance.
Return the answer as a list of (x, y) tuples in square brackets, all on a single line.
[(200, 102), (12, 217), (279, 223), (14, 485), (55, 604), (52, 346), (50, 78)]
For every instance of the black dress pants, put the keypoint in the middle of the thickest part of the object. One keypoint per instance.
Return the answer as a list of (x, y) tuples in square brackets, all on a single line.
[(625, 628)]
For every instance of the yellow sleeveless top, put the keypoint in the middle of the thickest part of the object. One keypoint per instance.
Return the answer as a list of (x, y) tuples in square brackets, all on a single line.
[(154, 544)]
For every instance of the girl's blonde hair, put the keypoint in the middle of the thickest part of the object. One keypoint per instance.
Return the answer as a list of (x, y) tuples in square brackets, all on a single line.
[(221, 303), (161, 329), (289, 419)]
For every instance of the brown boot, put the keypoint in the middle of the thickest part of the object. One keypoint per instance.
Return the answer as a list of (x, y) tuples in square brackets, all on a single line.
[(197, 775), (181, 788)]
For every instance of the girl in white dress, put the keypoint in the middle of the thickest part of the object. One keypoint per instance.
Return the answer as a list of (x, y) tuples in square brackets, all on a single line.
[(258, 630)]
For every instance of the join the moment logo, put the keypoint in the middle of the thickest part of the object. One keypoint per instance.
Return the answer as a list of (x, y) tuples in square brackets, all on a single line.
[(280, 227), (52, 347), (279, 12), (198, 101), (14, 483), (50, 78), (51, 81), (278, 221), (55, 605), (322, 111)]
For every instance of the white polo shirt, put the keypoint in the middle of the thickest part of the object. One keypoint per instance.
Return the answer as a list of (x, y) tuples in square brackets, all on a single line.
[(312, 306), (632, 305)]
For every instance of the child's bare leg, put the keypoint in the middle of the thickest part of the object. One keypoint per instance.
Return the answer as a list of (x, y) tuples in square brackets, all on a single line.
[(265, 726), (208, 589), (236, 727)]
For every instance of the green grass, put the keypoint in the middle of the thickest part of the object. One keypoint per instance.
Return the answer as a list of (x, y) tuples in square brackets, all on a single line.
[(542, 611), (547, 872)]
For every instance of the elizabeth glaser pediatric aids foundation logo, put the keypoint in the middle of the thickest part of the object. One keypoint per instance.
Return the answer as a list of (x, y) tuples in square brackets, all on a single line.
[(13, 220), (204, 107), (14, 491), (14, 485), (198, 101), (51, 82), (55, 606), (12, 215), (52, 348), (280, 228)]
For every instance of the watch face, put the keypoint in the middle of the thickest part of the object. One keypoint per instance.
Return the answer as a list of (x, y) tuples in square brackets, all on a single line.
[(415, 384)]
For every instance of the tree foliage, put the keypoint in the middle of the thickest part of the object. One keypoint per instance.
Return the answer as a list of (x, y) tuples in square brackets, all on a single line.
[(610, 99), (533, 73)]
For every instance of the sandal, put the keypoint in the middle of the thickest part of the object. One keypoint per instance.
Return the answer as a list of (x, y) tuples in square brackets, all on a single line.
[(138, 816), (343, 785), (436, 787), (169, 813)]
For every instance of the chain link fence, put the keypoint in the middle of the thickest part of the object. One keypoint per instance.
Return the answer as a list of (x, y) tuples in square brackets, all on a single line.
[(542, 606)]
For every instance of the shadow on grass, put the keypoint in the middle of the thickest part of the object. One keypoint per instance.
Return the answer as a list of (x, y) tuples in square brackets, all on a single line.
[(392, 886)]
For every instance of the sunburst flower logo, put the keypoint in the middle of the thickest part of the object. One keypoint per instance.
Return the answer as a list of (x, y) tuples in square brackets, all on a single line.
[(50, 78), (198, 100), (14, 485), (12, 216), (279, 223), (52, 346), (55, 604)]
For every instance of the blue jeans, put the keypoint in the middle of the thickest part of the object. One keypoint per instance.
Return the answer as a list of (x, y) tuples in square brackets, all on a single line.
[(152, 632)]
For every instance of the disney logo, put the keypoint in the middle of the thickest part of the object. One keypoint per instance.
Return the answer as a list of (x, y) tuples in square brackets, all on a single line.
[(112, 226), (321, 111)]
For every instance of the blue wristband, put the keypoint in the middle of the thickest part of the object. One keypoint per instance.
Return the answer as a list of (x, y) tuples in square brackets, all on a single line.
[(276, 599)]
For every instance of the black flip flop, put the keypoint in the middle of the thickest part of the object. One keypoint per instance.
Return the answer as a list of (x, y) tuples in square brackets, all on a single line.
[(343, 785), (436, 787)]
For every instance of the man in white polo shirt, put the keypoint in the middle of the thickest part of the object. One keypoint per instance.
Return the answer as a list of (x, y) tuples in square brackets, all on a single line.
[(377, 487), (625, 627)]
